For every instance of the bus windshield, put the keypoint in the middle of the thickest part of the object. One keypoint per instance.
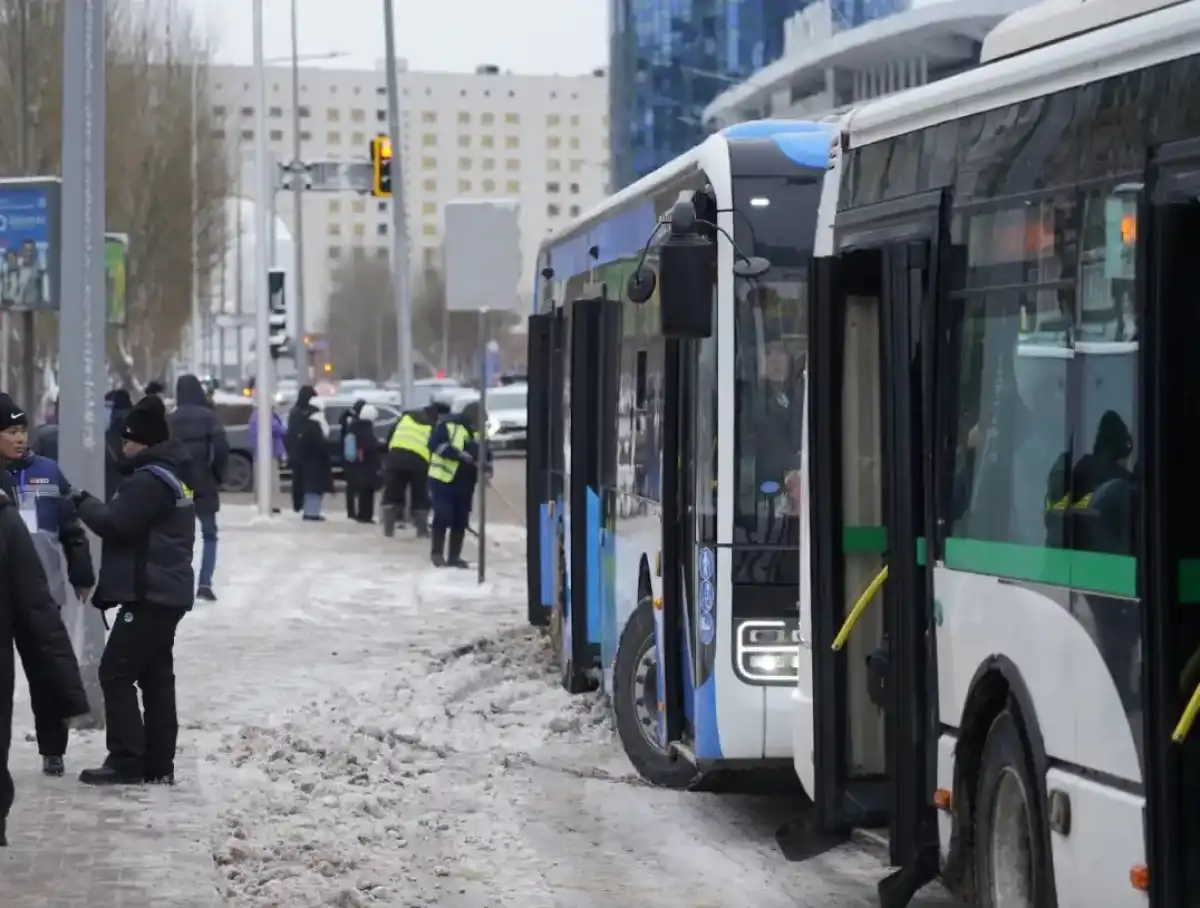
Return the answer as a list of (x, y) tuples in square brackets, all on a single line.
[(775, 218)]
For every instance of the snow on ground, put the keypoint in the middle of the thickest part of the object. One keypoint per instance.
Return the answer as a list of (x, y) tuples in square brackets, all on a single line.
[(375, 731)]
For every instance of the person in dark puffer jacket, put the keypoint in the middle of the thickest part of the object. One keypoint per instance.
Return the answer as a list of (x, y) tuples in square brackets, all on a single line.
[(196, 427), (148, 533)]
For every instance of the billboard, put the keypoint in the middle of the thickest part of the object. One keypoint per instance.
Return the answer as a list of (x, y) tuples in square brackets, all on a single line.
[(481, 251), (29, 244), (116, 269)]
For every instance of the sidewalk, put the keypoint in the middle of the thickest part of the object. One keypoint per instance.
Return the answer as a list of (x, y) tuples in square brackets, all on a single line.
[(70, 845)]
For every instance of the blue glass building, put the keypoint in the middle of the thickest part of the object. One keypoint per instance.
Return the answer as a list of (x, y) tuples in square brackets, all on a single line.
[(670, 58)]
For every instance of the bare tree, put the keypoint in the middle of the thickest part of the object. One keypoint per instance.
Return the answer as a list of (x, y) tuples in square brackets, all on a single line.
[(154, 56), (361, 324)]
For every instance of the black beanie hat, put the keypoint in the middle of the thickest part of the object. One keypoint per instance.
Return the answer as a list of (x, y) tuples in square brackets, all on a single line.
[(10, 414), (155, 387), (146, 423)]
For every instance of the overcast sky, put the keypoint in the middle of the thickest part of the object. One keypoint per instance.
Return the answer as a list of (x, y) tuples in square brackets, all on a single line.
[(527, 36)]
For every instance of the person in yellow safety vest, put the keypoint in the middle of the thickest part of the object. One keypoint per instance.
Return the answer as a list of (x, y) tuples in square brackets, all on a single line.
[(405, 491), (453, 470)]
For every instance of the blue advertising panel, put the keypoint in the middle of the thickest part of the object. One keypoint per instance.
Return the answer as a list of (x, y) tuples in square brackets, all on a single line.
[(29, 245)]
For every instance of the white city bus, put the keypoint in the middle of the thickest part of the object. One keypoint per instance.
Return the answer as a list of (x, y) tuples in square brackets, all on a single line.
[(1002, 377), (667, 546)]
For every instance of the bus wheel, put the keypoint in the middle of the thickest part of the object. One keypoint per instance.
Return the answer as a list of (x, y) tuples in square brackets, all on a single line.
[(1011, 859), (635, 703)]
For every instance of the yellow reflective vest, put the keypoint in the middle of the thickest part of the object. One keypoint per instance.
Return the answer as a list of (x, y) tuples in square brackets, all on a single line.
[(410, 435), (442, 469)]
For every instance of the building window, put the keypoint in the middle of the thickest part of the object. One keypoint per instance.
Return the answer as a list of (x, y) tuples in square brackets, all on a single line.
[(429, 116), (218, 134), (554, 165), (553, 142), (247, 135), (247, 111), (429, 140), (489, 185), (429, 163), (358, 115), (358, 139), (380, 116), (574, 211), (464, 116), (275, 112), (333, 138), (360, 231), (429, 229), (381, 207), (305, 113), (574, 188), (553, 188), (574, 142), (218, 110), (553, 120), (487, 119), (381, 229), (382, 252), (512, 142), (428, 185), (512, 164), (429, 208), (333, 228), (574, 119), (464, 185), (512, 119), (335, 206), (464, 141), (276, 135), (305, 135), (576, 166), (553, 211), (358, 206), (487, 141), (489, 163), (335, 252), (512, 187), (464, 163)]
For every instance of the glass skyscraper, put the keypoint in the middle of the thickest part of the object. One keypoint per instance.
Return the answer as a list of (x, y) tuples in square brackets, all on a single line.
[(669, 58)]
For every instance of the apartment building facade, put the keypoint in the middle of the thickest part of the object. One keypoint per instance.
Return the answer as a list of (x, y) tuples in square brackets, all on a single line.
[(541, 139)]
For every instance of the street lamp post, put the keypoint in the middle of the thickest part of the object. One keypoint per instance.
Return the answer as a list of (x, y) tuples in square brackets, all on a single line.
[(400, 280), (298, 198), (262, 355)]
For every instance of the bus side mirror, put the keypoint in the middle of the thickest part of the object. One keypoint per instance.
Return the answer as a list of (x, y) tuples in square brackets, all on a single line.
[(686, 263)]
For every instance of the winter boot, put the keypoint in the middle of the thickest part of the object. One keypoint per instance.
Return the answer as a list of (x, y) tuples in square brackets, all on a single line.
[(456, 544), (439, 545), (111, 775), (53, 766), (421, 521), (388, 515), (206, 593)]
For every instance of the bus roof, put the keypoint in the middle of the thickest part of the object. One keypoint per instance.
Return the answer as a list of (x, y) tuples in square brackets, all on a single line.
[(1157, 36), (794, 137)]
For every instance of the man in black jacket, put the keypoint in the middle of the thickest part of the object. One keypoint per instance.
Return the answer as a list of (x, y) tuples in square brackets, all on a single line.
[(148, 533), (297, 421), (43, 494), (196, 427), (28, 616)]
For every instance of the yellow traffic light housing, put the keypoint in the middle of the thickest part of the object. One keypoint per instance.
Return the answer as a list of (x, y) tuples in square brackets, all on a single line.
[(381, 167)]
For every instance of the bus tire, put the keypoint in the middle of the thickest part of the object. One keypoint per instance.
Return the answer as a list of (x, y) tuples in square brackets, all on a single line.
[(1012, 858), (635, 704)]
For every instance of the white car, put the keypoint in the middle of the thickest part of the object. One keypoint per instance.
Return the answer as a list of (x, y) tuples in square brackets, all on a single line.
[(507, 415)]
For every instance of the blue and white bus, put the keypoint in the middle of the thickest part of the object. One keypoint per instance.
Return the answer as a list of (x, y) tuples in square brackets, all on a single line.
[(662, 471)]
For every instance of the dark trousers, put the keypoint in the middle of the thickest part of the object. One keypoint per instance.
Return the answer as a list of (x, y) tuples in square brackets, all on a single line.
[(406, 488), (141, 651), (451, 514), (351, 495), (297, 492), (6, 782), (50, 727)]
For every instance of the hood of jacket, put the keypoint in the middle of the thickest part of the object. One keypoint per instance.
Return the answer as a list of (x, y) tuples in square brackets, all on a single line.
[(305, 395), (368, 413), (189, 392), (317, 415), (170, 454)]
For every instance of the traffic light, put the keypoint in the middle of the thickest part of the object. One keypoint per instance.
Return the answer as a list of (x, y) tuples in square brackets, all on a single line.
[(277, 317), (381, 167)]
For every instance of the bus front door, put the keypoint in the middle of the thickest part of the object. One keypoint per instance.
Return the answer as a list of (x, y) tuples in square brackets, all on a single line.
[(870, 391)]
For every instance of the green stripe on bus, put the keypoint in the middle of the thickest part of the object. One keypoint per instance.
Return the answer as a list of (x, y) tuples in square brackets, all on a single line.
[(1094, 572), (864, 539), (921, 551), (1189, 581)]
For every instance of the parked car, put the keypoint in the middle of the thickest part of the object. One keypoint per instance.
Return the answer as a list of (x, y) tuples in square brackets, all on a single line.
[(427, 390), (507, 415), (234, 414)]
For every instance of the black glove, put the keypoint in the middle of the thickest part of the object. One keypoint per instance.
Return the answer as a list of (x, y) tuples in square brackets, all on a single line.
[(78, 495)]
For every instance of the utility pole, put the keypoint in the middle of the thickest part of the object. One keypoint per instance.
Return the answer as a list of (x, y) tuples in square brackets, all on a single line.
[(262, 348), (28, 325), (400, 282), (239, 303), (83, 368), (302, 364), (197, 348)]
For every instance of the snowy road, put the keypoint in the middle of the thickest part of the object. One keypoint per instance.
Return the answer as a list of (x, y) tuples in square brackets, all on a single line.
[(373, 731)]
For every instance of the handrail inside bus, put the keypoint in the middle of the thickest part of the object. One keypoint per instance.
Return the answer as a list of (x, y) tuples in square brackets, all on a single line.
[(1188, 719), (860, 606)]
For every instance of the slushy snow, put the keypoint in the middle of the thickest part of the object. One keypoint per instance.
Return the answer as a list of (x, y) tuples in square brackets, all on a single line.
[(374, 731)]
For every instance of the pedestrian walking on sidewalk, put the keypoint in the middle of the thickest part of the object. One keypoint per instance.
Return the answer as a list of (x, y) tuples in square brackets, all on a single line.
[(29, 617), (453, 471), (349, 442), (368, 462), (43, 494), (148, 533), (406, 483), (313, 461), (297, 419), (194, 424)]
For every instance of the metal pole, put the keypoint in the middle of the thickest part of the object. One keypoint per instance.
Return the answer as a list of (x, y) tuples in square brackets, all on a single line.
[(81, 257), (239, 305), (400, 284), (197, 349), (262, 349), (303, 366), (481, 429), (28, 339)]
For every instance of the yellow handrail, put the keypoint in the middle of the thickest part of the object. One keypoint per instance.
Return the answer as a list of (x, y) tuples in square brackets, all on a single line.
[(1188, 719), (863, 601)]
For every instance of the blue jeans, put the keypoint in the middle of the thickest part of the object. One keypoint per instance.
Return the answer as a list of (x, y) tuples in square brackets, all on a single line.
[(312, 504), (208, 551)]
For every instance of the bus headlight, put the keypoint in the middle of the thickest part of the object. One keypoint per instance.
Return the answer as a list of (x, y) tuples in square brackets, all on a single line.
[(768, 651)]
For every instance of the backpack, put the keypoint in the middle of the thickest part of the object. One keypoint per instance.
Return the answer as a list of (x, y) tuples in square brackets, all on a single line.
[(349, 447)]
